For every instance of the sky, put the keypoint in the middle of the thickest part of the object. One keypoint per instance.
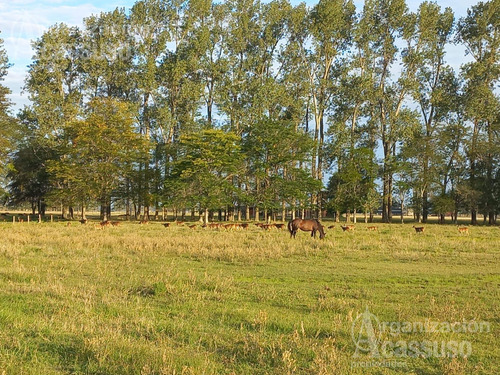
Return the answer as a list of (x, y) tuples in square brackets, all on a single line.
[(22, 21)]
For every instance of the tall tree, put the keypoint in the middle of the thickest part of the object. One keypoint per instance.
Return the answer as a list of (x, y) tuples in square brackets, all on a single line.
[(331, 25), (383, 23), (54, 81), (431, 91), (54, 84), (479, 31), (6, 121), (149, 20)]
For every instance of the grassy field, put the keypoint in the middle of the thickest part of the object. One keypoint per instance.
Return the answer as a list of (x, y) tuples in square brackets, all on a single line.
[(144, 299)]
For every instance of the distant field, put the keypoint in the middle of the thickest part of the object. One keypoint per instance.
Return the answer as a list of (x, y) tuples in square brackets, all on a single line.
[(144, 299)]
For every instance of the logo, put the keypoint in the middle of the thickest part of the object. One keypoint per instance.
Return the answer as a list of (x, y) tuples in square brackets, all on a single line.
[(365, 332), (386, 343)]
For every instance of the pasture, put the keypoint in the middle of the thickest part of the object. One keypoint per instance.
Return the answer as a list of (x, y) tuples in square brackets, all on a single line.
[(146, 299)]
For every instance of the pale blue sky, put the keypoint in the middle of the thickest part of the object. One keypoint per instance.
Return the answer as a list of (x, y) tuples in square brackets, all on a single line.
[(22, 21)]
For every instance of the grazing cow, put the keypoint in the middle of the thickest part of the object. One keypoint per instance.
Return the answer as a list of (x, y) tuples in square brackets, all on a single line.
[(463, 230), (372, 228), (166, 225), (179, 222), (306, 225), (279, 226), (193, 226), (347, 228), (419, 229)]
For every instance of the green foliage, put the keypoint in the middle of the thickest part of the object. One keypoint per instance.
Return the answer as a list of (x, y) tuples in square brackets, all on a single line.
[(308, 93), (6, 122), (98, 153), (205, 168)]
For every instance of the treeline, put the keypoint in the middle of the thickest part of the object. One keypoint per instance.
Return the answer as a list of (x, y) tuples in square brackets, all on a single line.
[(247, 107)]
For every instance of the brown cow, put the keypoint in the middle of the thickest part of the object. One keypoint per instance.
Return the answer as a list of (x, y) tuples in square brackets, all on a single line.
[(347, 228), (419, 229)]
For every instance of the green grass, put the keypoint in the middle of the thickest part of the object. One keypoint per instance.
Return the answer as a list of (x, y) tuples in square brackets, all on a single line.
[(143, 299)]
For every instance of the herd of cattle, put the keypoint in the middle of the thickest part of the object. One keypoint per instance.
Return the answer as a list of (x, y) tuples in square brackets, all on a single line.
[(232, 226), (239, 226)]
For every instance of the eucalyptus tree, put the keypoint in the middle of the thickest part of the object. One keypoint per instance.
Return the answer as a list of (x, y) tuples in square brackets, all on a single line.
[(479, 31), (54, 80), (54, 83), (107, 55), (435, 87), (384, 24), (6, 121), (330, 27), (235, 95), (148, 21), (213, 63), (270, 98), (251, 92), (452, 163), (179, 68)]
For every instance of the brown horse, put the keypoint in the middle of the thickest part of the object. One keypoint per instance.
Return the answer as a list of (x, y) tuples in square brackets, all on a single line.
[(307, 226)]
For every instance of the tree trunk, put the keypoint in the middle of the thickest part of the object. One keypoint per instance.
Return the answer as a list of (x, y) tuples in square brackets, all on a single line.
[(473, 216)]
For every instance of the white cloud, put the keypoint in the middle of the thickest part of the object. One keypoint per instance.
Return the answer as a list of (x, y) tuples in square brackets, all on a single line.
[(22, 22)]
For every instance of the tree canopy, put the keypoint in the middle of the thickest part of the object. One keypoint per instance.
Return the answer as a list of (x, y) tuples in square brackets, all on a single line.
[(253, 107)]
